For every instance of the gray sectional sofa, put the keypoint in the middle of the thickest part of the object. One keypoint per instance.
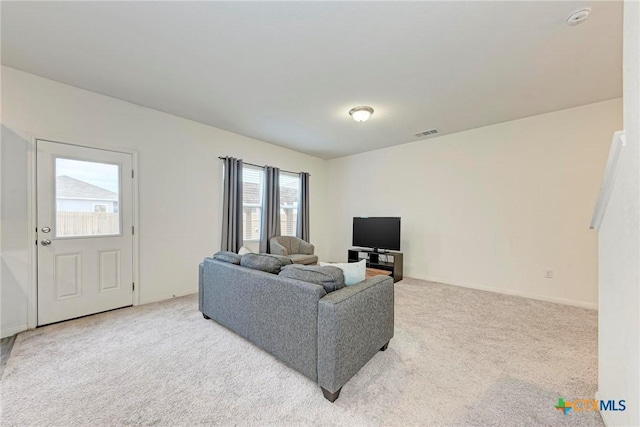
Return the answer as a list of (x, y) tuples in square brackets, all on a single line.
[(327, 337)]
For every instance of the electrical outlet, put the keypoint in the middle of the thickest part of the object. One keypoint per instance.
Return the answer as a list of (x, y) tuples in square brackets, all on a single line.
[(548, 274)]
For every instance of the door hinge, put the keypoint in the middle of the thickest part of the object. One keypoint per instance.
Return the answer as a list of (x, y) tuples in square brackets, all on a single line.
[(132, 173), (133, 286), (133, 229)]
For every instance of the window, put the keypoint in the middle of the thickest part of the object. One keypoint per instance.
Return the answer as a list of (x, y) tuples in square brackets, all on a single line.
[(252, 190), (289, 195), (84, 191), (252, 187)]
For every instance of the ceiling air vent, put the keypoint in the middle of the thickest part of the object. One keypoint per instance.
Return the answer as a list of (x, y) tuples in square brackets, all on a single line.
[(426, 133)]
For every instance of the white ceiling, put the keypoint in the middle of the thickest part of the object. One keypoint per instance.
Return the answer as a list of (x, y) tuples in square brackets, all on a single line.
[(288, 72)]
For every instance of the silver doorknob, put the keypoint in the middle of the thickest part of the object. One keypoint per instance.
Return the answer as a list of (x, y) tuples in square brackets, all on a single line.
[(45, 242)]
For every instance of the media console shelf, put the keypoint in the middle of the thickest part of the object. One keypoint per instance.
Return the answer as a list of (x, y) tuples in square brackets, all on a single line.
[(389, 261)]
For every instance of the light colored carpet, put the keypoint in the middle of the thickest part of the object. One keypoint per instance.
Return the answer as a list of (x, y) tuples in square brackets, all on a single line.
[(6, 344), (459, 357)]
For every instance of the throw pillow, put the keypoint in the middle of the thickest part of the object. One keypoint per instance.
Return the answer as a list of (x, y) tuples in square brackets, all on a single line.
[(244, 250), (329, 277), (354, 272), (264, 262), (227, 256)]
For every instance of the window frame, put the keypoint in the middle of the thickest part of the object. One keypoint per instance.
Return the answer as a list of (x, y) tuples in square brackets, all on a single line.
[(259, 206)]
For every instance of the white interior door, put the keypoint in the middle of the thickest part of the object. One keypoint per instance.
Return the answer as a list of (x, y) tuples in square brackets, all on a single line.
[(85, 230)]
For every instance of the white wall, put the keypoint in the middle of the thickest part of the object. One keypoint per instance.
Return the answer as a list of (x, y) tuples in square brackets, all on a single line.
[(489, 208), (619, 252), (14, 265), (179, 181)]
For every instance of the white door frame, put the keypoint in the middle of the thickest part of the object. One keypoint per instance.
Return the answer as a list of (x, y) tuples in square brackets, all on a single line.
[(32, 212)]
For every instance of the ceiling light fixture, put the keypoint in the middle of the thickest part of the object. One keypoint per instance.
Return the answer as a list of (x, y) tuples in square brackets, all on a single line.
[(578, 17), (361, 114)]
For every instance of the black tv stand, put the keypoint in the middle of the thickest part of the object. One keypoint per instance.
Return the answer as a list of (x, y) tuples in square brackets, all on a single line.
[(379, 251), (388, 260)]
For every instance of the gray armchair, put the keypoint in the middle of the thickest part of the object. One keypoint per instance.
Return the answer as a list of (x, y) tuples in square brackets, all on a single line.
[(299, 251)]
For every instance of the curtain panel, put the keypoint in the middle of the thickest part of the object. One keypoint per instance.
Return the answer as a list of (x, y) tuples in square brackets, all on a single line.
[(302, 230), (270, 208), (232, 205)]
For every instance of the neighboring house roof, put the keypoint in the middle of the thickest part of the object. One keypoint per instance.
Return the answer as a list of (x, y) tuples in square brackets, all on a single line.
[(71, 188)]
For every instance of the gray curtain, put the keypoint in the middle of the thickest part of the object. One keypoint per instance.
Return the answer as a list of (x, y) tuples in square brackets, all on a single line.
[(232, 206), (302, 230), (270, 208)]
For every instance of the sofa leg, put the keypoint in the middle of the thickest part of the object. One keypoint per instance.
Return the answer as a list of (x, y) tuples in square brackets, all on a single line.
[(331, 397), (384, 347), (205, 316)]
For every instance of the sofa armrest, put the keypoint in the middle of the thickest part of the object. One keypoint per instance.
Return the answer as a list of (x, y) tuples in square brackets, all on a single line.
[(354, 323), (277, 249), (306, 248), (201, 284)]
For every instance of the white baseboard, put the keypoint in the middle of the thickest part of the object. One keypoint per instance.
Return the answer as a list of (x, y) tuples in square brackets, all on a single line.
[(7, 332), (170, 296), (575, 303)]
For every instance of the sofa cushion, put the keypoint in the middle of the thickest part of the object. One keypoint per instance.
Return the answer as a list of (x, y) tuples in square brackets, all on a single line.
[(303, 259), (226, 256), (354, 272), (264, 262), (330, 278)]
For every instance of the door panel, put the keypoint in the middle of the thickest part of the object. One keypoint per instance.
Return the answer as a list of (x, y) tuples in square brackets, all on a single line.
[(109, 270), (85, 219), (68, 274)]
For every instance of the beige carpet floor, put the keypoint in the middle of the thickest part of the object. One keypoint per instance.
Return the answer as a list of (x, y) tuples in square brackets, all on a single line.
[(459, 357)]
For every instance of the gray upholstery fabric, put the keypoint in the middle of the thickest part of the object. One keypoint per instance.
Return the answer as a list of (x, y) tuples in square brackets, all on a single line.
[(292, 247), (264, 262), (278, 248), (201, 285), (227, 256), (303, 259), (353, 324), (326, 337), (275, 313), (330, 278), (288, 245), (232, 205)]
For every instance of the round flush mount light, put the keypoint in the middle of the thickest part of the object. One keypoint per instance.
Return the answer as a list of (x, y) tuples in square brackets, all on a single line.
[(361, 114), (578, 17)]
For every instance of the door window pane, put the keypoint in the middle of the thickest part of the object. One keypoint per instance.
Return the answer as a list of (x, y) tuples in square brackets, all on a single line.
[(87, 198)]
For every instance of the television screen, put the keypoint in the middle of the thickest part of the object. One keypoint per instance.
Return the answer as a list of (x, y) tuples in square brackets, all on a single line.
[(377, 232)]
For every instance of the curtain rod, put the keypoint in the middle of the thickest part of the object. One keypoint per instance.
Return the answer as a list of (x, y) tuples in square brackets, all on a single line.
[(260, 166)]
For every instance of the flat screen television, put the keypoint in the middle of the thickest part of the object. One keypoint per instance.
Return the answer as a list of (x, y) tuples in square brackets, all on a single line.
[(377, 232)]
